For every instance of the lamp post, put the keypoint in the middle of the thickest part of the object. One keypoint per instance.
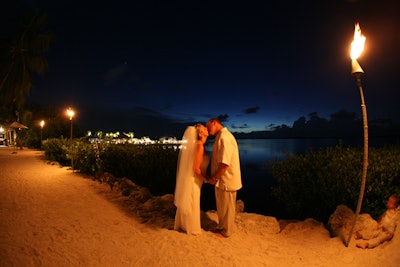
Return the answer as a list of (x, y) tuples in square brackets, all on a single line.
[(71, 113), (41, 132), (4, 139), (357, 46)]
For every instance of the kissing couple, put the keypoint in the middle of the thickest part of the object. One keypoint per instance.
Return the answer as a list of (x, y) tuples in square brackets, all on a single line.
[(191, 173)]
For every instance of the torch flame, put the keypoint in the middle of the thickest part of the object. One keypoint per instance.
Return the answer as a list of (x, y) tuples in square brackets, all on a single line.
[(357, 46)]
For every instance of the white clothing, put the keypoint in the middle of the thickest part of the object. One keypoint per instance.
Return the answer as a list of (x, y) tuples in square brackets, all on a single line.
[(188, 186), (389, 220), (225, 150)]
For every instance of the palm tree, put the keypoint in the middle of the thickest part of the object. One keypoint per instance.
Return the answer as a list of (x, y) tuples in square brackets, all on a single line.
[(21, 57)]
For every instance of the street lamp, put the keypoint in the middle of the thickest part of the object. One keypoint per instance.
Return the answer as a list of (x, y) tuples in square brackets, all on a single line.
[(1, 131), (71, 113), (41, 133), (357, 46)]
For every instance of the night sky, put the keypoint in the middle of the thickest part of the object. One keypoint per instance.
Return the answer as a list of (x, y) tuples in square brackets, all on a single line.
[(152, 67)]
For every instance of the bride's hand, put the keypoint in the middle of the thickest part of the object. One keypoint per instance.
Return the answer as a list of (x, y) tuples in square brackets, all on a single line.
[(212, 181)]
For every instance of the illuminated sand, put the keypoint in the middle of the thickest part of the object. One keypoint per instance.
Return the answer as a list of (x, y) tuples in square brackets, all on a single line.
[(53, 217)]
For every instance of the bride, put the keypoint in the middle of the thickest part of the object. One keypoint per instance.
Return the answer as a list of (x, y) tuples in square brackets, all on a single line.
[(191, 173)]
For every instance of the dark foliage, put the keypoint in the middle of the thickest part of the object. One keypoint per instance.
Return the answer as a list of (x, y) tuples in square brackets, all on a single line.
[(152, 166), (314, 184)]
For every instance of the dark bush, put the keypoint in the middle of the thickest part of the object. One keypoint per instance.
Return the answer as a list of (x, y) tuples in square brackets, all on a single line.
[(308, 186), (152, 166), (314, 184), (85, 157), (57, 149)]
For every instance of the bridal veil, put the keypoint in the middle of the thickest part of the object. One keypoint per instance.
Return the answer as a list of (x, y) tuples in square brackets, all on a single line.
[(185, 174)]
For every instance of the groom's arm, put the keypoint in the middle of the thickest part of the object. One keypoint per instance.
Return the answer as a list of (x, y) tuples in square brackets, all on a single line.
[(220, 171)]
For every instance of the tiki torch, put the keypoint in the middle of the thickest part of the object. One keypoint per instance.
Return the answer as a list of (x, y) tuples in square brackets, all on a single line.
[(357, 46)]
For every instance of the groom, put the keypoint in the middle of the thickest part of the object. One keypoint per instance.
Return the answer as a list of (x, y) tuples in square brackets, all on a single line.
[(225, 169)]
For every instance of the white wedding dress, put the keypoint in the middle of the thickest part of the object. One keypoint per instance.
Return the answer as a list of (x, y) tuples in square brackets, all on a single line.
[(188, 187)]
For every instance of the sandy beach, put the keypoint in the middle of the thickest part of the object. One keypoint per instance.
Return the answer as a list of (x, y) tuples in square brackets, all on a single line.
[(51, 216)]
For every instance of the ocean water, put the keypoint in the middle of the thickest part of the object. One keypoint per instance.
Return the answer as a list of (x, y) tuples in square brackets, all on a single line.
[(255, 155)]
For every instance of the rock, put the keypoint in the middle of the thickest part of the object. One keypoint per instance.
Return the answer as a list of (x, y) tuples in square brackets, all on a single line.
[(310, 228), (108, 178), (284, 222), (126, 186), (260, 224), (142, 195), (341, 221), (366, 225), (239, 206), (158, 210), (164, 204)]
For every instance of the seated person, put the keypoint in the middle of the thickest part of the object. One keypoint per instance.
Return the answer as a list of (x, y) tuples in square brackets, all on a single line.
[(386, 226)]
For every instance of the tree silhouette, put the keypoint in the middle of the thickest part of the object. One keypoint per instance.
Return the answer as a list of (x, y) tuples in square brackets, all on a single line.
[(22, 56), (341, 124)]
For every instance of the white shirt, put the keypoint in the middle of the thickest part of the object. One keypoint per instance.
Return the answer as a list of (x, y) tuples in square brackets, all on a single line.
[(226, 151)]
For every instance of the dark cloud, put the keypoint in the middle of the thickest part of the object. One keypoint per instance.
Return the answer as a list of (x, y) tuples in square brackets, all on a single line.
[(140, 120), (116, 73), (223, 117), (240, 127), (251, 110)]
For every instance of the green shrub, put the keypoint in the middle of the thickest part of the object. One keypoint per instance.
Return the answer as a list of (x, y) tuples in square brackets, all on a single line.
[(151, 166), (57, 149), (314, 184), (87, 156), (309, 185)]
